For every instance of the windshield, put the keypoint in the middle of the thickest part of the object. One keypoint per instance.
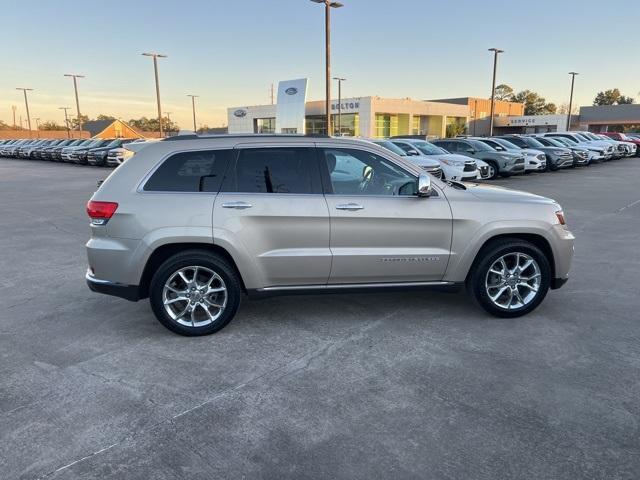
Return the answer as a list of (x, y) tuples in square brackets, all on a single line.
[(114, 143), (532, 142), (390, 146), (427, 148), (506, 144), (583, 137), (558, 142), (480, 147)]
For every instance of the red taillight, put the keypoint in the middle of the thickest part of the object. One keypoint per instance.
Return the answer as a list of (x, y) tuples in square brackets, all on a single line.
[(101, 210)]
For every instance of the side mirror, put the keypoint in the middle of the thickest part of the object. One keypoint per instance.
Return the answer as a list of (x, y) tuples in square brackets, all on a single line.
[(470, 150), (424, 185), (412, 153)]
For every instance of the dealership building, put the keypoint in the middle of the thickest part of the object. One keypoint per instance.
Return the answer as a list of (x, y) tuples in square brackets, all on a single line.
[(369, 116)]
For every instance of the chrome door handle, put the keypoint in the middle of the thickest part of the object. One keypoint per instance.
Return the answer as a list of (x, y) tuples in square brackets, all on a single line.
[(237, 205), (349, 206)]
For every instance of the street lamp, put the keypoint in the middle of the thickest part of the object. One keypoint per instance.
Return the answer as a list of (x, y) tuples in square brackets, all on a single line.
[(26, 106), (75, 89), (340, 80), (327, 46), (155, 69), (495, 51), (66, 119), (37, 127), (13, 109), (573, 78), (193, 109)]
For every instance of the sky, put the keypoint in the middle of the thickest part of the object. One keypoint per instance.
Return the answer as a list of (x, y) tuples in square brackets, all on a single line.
[(230, 52)]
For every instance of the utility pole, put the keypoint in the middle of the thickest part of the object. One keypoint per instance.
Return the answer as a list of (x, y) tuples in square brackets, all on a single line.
[(193, 109), (340, 80), (155, 57), (14, 108), (26, 106), (272, 94), (573, 78), (327, 47), (495, 51), (75, 89), (66, 120), (37, 127)]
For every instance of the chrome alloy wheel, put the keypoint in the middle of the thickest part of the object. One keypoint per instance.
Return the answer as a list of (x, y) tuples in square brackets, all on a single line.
[(491, 171), (513, 280), (194, 296)]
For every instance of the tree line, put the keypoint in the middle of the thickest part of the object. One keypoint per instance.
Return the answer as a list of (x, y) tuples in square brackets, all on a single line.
[(143, 124), (535, 104)]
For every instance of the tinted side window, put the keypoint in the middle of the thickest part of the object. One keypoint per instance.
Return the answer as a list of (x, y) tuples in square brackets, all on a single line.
[(190, 172), (450, 146), (275, 170)]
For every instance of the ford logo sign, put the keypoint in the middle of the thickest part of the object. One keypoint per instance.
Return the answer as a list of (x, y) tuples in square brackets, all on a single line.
[(240, 113), (291, 91)]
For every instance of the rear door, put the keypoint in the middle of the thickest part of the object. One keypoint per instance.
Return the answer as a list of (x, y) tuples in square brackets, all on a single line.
[(271, 210), (381, 232)]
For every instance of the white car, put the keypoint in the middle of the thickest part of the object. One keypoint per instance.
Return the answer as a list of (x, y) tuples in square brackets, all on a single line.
[(534, 160), (454, 167)]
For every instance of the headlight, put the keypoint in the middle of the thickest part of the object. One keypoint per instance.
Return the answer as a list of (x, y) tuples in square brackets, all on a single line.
[(454, 163), (558, 152)]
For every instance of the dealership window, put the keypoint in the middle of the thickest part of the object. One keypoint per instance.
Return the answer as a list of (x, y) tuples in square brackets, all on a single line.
[(200, 171), (386, 125), (416, 128), (264, 125), (316, 124)]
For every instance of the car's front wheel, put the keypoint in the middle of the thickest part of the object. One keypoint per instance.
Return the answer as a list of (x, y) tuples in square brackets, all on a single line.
[(195, 293), (492, 170), (511, 278)]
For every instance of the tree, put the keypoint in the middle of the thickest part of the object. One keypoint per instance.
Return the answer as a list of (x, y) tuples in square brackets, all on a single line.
[(563, 109), (151, 124), (503, 92), (534, 104), (49, 125), (611, 97), (454, 129), (73, 121), (4, 126), (105, 117)]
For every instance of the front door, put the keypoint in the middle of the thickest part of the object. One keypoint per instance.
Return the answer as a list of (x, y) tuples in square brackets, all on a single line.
[(380, 230), (271, 210)]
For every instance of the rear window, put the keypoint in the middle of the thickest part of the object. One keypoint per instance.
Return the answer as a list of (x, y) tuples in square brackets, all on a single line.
[(275, 170), (190, 172)]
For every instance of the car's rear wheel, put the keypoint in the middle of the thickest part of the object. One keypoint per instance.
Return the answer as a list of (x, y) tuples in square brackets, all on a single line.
[(511, 278), (195, 293)]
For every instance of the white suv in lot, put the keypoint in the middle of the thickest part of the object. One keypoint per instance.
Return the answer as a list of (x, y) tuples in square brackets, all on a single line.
[(194, 223)]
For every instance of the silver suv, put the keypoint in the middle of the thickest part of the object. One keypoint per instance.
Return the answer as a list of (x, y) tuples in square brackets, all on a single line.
[(194, 223)]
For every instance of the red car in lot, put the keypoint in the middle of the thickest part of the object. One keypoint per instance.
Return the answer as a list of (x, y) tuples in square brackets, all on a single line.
[(621, 137)]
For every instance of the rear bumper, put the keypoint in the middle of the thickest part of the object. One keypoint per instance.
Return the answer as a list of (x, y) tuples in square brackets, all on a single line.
[(128, 292)]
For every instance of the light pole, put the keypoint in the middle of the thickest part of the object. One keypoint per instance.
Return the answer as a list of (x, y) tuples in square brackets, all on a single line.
[(340, 80), (327, 46), (66, 120), (75, 89), (573, 78), (13, 109), (193, 109), (155, 57), (495, 51), (37, 127), (26, 106)]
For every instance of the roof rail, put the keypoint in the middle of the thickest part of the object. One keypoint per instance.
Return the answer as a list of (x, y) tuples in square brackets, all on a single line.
[(193, 136)]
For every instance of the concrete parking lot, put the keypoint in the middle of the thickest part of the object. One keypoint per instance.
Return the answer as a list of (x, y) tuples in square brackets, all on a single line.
[(395, 385)]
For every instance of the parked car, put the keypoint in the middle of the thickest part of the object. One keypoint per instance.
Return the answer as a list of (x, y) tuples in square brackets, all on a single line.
[(263, 227), (556, 157), (631, 138), (604, 152), (56, 152), (78, 153), (535, 160), (98, 156), (47, 152), (429, 165), (37, 152), (454, 167), (500, 163), (29, 150), (581, 156), (118, 156), (624, 149)]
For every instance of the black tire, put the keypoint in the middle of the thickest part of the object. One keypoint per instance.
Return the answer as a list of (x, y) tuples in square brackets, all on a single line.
[(484, 261), (200, 258), (496, 171)]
